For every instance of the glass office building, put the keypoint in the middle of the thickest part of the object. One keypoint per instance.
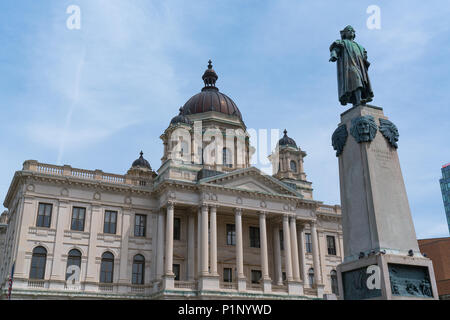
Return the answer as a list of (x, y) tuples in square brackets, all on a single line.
[(445, 188)]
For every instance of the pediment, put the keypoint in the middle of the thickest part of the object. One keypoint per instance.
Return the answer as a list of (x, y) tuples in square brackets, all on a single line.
[(252, 180)]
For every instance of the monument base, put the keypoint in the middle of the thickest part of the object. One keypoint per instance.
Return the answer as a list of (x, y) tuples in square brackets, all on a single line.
[(387, 277)]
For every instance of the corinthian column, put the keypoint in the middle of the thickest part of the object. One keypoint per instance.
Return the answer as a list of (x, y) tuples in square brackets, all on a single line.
[(295, 265), (263, 242), (239, 248), (169, 240), (277, 252), (204, 259), (287, 247), (315, 252), (213, 241)]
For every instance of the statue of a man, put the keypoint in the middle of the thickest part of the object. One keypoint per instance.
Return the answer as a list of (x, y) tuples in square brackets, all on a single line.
[(352, 65)]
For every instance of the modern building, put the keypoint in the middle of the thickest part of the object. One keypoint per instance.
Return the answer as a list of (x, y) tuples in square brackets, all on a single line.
[(438, 250), (445, 189), (199, 227)]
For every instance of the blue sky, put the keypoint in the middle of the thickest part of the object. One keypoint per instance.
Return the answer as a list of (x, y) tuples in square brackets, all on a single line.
[(94, 97)]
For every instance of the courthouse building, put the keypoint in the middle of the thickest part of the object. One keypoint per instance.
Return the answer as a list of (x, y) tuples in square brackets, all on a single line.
[(200, 227)]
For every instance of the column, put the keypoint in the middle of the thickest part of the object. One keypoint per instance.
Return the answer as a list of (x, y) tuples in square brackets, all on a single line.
[(169, 240), (287, 248), (239, 251), (213, 240), (294, 247), (277, 252), (124, 276), (315, 252), (191, 248), (301, 246), (263, 245), (160, 246), (199, 241), (204, 259)]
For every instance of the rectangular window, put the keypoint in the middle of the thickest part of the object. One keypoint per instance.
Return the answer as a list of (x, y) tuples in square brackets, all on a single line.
[(231, 234), (281, 240), (44, 217), (110, 222), (256, 276), (283, 276), (308, 242), (78, 216), (227, 275), (176, 229), (176, 271), (331, 245), (140, 221), (254, 237)]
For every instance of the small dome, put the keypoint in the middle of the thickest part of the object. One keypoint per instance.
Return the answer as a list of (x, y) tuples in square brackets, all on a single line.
[(286, 141), (210, 99), (180, 118), (141, 163)]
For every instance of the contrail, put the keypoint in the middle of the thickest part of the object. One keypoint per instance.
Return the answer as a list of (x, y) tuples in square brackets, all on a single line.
[(71, 108)]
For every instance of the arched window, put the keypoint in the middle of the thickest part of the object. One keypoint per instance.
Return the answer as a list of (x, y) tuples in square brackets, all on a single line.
[(334, 282), (38, 261), (73, 259), (293, 166), (226, 157), (107, 268), (138, 269), (311, 277)]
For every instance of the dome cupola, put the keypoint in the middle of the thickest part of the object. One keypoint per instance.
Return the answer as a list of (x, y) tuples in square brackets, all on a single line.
[(180, 118), (141, 163), (286, 141), (210, 99)]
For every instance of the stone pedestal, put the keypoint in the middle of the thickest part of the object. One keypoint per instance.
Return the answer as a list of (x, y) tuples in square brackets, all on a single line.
[(376, 217), (210, 282), (168, 282), (267, 285), (295, 288), (242, 284)]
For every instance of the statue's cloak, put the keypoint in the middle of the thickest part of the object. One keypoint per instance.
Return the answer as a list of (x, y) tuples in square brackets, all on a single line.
[(352, 73)]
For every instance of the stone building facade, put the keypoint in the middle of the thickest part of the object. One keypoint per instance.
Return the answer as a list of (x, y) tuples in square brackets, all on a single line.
[(205, 225)]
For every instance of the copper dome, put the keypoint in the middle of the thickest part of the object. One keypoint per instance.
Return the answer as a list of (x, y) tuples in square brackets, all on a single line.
[(210, 99)]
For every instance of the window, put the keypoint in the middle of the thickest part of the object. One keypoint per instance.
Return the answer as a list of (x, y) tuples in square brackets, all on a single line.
[(73, 259), (256, 276), (78, 215), (38, 261), (293, 166), (281, 239), (176, 271), (184, 152), (254, 237), (176, 229), (311, 277), (44, 215), (231, 234), (331, 245), (107, 268), (308, 242), (334, 282), (140, 221), (110, 222), (283, 276), (138, 269), (226, 157), (227, 275)]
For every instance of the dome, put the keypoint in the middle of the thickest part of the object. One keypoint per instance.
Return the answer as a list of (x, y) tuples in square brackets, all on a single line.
[(210, 99), (286, 141), (141, 163), (180, 118)]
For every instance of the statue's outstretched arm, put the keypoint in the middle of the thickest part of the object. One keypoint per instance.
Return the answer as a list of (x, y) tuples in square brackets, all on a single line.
[(335, 50)]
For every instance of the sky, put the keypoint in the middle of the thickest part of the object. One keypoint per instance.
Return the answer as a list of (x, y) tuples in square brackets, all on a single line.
[(94, 97)]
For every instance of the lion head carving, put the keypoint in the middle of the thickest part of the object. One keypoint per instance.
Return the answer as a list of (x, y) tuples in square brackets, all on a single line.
[(363, 128)]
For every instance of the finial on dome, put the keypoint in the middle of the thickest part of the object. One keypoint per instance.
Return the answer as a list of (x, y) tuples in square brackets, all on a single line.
[(210, 77), (285, 132), (141, 153)]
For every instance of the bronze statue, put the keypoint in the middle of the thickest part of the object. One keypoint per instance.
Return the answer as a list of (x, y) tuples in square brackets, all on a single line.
[(352, 65)]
